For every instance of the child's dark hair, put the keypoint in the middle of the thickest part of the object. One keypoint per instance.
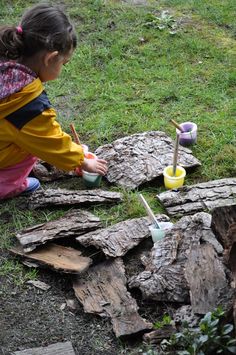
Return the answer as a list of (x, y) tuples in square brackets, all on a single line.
[(43, 27)]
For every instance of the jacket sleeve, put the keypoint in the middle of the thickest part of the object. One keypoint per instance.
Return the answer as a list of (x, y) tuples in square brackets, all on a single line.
[(43, 137)]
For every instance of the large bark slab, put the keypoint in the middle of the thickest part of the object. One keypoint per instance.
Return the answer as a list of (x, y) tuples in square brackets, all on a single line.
[(206, 278), (200, 197), (117, 239), (71, 225), (102, 291), (164, 278), (64, 197), (64, 348), (56, 257), (224, 225), (142, 157)]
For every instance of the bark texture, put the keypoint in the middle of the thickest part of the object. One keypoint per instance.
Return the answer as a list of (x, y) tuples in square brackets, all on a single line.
[(142, 157), (71, 225), (200, 197), (167, 277), (102, 290), (56, 257), (63, 197), (117, 239)]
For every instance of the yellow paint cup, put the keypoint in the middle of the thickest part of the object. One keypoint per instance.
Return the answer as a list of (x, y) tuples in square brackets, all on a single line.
[(173, 182)]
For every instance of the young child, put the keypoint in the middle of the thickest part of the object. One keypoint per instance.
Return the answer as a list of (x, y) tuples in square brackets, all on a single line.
[(30, 54)]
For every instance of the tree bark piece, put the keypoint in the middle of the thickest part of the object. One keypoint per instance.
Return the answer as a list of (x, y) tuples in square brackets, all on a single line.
[(142, 157), (71, 225), (200, 197), (206, 278), (164, 278), (64, 348), (117, 239), (102, 291), (222, 218), (46, 172), (156, 336), (56, 257), (64, 197)]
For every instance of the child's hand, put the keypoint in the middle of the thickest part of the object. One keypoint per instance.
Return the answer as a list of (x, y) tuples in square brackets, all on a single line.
[(98, 166)]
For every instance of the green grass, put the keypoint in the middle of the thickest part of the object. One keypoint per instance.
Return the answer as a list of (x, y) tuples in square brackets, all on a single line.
[(126, 78)]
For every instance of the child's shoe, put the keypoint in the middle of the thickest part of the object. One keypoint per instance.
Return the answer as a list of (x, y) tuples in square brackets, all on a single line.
[(33, 185)]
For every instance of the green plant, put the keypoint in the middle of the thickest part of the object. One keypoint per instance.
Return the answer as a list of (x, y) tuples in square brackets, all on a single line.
[(162, 22), (166, 320), (210, 337)]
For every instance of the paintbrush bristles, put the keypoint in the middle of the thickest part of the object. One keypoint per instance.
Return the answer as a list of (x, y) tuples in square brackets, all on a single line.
[(74, 133)]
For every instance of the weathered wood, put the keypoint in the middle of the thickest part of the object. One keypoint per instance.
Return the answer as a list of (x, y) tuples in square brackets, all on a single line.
[(206, 278), (71, 225), (222, 219), (185, 314), (156, 336), (142, 157), (65, 348), (64, 197), (56, 257), (164, 278), (117, 239), (200, 197), (102, 291), (46, 172)]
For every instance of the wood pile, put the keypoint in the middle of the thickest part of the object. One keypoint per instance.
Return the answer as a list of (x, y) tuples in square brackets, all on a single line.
[(193, 267)]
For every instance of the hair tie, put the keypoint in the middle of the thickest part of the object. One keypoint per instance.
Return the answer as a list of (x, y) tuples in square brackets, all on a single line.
[(19, 30)]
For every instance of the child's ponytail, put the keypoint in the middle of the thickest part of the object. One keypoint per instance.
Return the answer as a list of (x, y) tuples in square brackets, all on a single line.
[(42, 27), (11, 42)]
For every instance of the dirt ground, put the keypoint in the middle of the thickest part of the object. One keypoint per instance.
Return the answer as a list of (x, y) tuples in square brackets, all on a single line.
[(31, 317)]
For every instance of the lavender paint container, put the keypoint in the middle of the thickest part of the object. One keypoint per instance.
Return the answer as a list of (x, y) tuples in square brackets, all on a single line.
[(189, 136)]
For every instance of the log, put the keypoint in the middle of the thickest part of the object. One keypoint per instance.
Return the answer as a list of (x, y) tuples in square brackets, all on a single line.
[(46, 172), (63, 197), (117, 239), (71, 225), (142, 157), (56, 257), (64, 348), (200, 197), (102, 291), (164, 278)]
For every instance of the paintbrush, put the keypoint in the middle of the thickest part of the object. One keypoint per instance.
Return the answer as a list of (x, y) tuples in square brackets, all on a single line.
[(177, 126), (149, 211), (175, 156), (74, 133)]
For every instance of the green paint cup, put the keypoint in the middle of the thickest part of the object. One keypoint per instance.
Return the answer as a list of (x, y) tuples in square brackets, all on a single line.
[(91, 179), (156, 233)]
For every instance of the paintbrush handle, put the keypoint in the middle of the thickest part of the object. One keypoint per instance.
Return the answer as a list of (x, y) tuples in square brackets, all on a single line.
[(177, 126), (175, 157), (149, 211), (75, 135)]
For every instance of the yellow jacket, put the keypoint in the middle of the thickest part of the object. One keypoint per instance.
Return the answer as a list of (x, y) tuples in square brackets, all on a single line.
[(28, 125)]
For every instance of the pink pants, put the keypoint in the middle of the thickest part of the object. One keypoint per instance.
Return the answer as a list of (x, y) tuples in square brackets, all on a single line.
[(13, 179)]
